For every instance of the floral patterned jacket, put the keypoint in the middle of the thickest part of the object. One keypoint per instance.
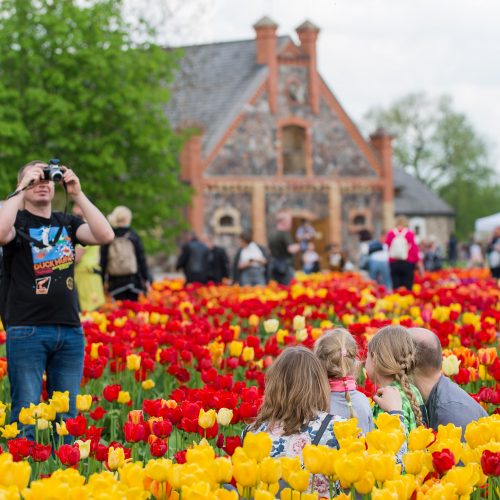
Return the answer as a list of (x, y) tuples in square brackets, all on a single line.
[(291, 446)]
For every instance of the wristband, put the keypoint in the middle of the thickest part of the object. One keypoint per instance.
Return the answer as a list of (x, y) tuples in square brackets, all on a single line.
[(395, 412)]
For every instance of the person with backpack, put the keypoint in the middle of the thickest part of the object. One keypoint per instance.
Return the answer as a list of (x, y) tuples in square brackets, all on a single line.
[(123, 262), (403, 254), (40, 303), (193, 260)]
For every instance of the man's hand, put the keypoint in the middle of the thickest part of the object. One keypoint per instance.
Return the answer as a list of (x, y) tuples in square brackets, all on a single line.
[(72, 182), (389, 399), (31, 177)]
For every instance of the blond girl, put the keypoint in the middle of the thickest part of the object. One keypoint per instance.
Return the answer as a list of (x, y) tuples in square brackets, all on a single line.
[(338, 352), (390, 361)]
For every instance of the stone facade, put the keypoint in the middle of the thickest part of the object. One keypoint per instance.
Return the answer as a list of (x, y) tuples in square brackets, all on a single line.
[(342, 185)]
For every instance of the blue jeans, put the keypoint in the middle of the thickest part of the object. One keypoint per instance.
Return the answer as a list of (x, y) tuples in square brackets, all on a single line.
[(380, 272), (33, 350)]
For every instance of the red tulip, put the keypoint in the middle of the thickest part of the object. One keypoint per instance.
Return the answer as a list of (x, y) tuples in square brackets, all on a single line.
[(40, 452), (69, 455), (158, 448), (490, 462), (443, 461), (111, 392), (76, 426)]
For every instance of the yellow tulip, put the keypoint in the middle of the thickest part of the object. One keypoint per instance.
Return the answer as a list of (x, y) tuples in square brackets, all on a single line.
[(382, 466), (207, 419), (202, 455), (387, 422), (314, 458), (84, 447), (299, 480), (174, 475), (414, 461), (132, 474), (263, 495), (449, 431), (289, 465), (158, 469), (236, 348), (10, 431), (420, 438), (253, 320), (148, 384), (301, 335), (26, 416), (271, 326), (222, 470), (245, 472), (387, 442), (280, 336), (60, 401), (365, 484), (123, 397), (299, 323), (133, 362), (248, 354), (224, 416), (289, 494), (345, 429), (478, 433), (197, 491), (61, 429), (463, 478), (270, 470), (14, 473), (116, 458), (257, 446), (350, 468), (83, 402)]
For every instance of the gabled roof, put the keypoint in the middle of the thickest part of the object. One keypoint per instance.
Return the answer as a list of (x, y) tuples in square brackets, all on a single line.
[(213, 84), (412, 197)]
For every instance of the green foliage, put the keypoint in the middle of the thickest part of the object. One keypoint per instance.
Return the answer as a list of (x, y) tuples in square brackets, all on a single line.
[(75, 85), (441, 148)]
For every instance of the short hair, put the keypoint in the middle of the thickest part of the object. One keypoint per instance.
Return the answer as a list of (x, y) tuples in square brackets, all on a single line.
[(246, 237), (20, 173), (121, 216), (429, 358), (401, 220)]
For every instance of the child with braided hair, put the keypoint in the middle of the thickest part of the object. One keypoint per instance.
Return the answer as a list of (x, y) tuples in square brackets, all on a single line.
[(338, 352), (390, 361)]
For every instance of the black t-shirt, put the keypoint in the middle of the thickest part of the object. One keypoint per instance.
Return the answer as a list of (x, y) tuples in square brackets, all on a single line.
[(278, 244), (41, 286)]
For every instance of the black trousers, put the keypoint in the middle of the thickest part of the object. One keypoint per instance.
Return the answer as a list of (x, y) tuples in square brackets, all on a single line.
[(402, 274)]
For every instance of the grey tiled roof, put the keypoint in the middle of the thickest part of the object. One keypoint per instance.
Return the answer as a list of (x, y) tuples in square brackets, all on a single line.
[(412, 197), (212, 85)]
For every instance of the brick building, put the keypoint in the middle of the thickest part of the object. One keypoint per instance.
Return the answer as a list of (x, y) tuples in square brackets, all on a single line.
[(271, 136)]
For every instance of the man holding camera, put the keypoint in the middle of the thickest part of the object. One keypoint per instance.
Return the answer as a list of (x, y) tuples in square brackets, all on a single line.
[(40, 309)]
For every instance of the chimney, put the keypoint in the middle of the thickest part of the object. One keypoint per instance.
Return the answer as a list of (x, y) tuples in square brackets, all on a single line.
[(265, 30), (381, 142), (308, 34)]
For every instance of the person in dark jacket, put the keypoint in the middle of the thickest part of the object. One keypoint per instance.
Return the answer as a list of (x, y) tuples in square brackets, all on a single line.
[(193, 260), (217, 262), (445, 401), (126, 285)]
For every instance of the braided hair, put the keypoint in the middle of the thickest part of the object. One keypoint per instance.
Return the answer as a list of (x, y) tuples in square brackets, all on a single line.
[(394, 356)]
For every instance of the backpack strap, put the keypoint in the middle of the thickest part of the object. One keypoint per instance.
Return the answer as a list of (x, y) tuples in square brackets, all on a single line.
[(322, 429)]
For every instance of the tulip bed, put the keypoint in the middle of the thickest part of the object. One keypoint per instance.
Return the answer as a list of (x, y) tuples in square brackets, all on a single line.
[(170, 382)]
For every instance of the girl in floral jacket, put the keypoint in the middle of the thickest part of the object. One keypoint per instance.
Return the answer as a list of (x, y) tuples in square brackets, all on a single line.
[(295, 408)]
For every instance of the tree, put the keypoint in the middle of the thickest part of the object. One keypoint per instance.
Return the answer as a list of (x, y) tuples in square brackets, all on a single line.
[(75, 85), (441, 148)]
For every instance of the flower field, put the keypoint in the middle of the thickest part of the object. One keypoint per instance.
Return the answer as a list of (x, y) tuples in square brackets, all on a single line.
[(170, 382)]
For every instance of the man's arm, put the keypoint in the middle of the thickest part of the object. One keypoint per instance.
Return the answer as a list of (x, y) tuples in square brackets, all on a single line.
[(10, 207), (97, 230)]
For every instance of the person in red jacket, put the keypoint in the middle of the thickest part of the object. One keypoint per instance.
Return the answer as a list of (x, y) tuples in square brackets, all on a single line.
[(403, 254)]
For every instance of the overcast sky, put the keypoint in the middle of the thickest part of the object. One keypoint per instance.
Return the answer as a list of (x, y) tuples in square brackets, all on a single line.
[(371, 52)]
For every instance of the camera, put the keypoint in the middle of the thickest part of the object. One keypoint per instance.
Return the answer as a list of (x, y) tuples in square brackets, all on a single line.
[(52, 172)]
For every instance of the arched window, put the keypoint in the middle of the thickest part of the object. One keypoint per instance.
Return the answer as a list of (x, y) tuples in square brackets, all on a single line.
[(359, 220), (226, 220), (294, 151)]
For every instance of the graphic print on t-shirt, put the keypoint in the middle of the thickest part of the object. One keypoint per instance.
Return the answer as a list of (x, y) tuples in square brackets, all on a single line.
[(51, 258)]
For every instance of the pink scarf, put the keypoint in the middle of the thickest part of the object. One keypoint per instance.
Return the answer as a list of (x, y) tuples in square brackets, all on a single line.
[(342, 384)]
